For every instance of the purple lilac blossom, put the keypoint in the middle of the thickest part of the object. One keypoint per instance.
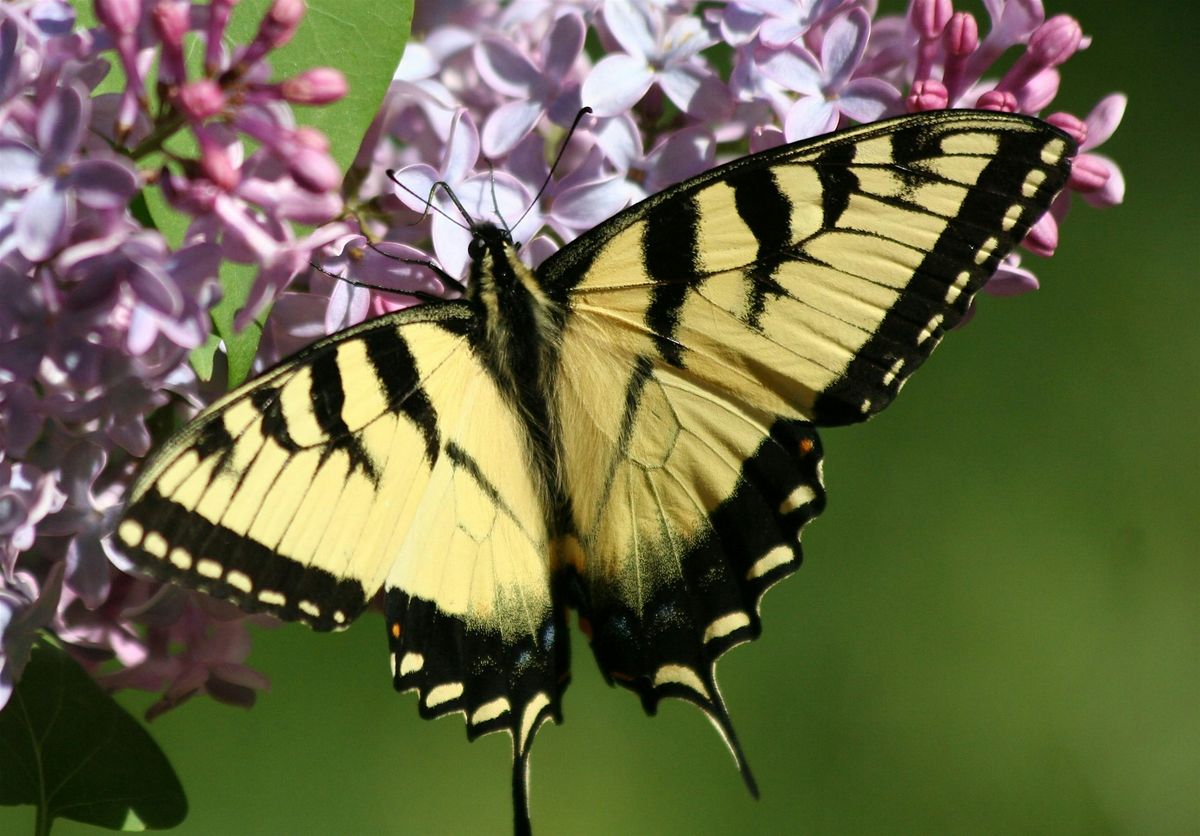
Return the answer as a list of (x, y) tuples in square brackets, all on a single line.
[(480, 102), (100, 313)]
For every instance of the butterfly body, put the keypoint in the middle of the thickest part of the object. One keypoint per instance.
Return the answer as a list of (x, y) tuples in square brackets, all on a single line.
[(628, 430)]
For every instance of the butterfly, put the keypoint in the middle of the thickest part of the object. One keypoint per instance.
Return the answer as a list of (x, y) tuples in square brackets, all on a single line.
[(628, 430)]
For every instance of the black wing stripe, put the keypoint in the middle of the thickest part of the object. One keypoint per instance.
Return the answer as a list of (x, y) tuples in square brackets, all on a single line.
[(266, 572), (397, 372), (671, 252), (923, 313)]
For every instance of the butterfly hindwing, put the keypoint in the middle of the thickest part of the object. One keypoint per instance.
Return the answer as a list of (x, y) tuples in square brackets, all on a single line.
[(797, 287)]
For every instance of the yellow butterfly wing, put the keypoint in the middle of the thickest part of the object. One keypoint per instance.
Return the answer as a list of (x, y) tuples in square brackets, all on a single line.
[(737, 311), (381, 457)]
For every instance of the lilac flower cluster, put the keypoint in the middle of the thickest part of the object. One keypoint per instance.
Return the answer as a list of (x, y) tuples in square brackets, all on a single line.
[(99, 312), (675, 87)]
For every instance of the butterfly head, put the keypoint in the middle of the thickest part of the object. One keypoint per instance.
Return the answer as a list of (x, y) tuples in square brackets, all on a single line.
[(498, 276)]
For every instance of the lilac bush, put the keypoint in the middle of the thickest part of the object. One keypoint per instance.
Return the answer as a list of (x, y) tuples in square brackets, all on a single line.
[(100, 312)]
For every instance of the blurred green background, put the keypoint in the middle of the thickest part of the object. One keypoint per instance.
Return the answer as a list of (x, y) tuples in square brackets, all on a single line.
[(996, 628)]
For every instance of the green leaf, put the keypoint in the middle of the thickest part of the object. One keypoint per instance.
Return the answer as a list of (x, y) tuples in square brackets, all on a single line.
[(363, 40), (240, 346), (203, 359), (69, 749)]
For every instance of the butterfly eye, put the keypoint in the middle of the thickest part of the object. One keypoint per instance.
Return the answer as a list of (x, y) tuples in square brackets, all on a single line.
[(475, 249)]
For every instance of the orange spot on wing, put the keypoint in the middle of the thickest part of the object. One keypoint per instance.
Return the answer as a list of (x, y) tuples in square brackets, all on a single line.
[(806, 446), (397, 631)]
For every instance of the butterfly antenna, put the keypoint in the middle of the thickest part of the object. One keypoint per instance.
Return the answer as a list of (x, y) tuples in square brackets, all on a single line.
[(583, 111), (416, 294), (495, 200), (428, 201), (444, 277)]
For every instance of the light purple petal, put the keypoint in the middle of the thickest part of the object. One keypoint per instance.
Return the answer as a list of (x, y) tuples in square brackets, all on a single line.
[(538, 250), (10, 69), (1103, 120), (1013, 21), (87, 569), (868, 99), (616, 84), (696, 91), (462, 150), (348, 305), (151, 284), (765, 138), (1113, 191), (509, 124), (843, 46), (686, 37), (739, 25), (417, 186), (60, 126), (1010, 279), (586, 205), (779, 33), (19, 165), (774, 8), (527, 161), (681, 155), (416, 63), (103, 184), (563, 45), (1039, 91), (634, 26), (142, 331), (450, 242), (53, 17), (42, 224), (796, 69), (506, 70), (810, 116), (619, 139)]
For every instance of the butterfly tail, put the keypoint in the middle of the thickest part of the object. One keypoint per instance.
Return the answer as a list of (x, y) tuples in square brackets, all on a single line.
[(520, 794), (718, 715)]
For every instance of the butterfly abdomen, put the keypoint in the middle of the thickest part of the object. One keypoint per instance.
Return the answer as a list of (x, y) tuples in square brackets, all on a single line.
[(520, 330)]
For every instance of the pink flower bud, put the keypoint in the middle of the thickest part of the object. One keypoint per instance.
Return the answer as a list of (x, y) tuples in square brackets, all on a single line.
[(1055, 41), (317, 86), (1069, 124), (927, 95), (1089, 173), (215, 163), (120, 17), (1000, 100), (276, 29), (311, 138), (1043, 236), (306, 153), (961, 36), (929, 17), (202, 99), (219, 12), (281, 22), (170, 21)]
